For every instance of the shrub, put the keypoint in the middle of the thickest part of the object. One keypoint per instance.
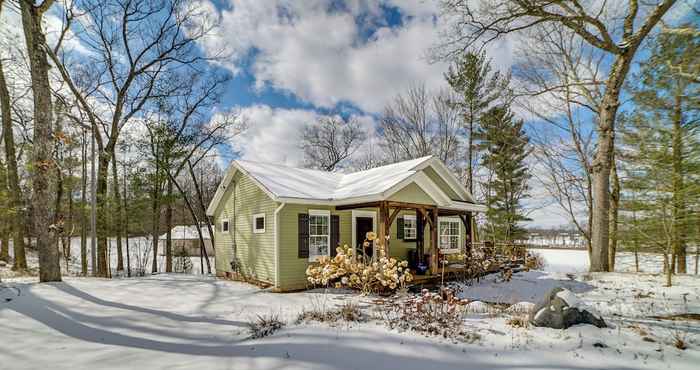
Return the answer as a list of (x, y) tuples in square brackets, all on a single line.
[(518, 322), (348, 312), (385, 275), (430, 313), (264, 326), (534, 261)]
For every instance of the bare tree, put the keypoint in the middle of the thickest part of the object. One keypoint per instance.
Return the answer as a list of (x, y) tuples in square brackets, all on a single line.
[(183, 132), (560, 85), (599, 25), (418, 123), (136, 45), (328, 143)]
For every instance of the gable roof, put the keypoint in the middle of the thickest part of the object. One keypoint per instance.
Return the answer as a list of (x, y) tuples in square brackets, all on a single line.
[(299, 185)]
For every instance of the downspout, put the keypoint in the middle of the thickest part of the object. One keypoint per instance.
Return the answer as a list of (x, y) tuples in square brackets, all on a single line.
[(277, 244)]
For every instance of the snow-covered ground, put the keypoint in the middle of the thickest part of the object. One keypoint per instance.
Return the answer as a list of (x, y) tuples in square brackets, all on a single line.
[(197, 321), (576, 260), (187, 321), (140, 257)]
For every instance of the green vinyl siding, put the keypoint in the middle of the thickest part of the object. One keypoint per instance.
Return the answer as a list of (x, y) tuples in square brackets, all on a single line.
[(412, 193), (292, 268), (254, 251)]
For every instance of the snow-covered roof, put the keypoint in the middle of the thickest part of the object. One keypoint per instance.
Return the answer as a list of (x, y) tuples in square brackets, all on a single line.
[(300, 185), (186, 232)]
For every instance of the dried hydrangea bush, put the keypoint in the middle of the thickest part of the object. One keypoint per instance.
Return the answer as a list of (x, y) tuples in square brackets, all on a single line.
[(347, 270)]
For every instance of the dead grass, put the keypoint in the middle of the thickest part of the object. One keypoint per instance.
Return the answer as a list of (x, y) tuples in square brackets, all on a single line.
[(264, 325)]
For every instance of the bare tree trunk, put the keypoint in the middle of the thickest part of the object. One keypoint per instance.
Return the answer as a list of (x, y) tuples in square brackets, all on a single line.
[(602, 162), (83, 209), (614, 206), (200, 200), (126, 225), (49, 269), (169, 223), (16, 224), (667, 270), (679, 214), (102, 213), (5, 230), (193, 213), (155, 209), (118, 214)]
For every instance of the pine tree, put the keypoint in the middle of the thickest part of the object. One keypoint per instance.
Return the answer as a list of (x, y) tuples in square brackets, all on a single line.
[(506, 146), (661, 149), (478, 88)]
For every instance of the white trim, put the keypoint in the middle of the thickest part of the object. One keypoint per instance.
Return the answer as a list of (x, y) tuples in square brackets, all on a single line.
[(228, 221), (360, 213), (255, 223), (459, 234), (324, 213), (221, 190), (277, 244), (448, 176)]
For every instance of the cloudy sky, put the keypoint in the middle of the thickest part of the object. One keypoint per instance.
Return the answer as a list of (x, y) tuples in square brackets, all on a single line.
[(295, 60)]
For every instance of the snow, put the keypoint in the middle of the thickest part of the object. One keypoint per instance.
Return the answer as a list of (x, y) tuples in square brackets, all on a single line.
[(140, 251), (576, 260), (290, 182), (198, 321), (186, 232), (188, 321)]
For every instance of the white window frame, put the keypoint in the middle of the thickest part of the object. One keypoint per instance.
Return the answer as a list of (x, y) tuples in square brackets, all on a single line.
[(415, 227), (228, 222), (442, 220), (321, 213), (255, 224)]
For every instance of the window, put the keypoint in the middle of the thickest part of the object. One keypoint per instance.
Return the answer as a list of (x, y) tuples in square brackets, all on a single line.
[(410, 227), (319, 234), (259, 223), (449, 234), (224, 225)]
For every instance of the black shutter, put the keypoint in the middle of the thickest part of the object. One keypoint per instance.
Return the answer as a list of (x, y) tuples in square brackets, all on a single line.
[(303, 235), (420, 228), (335, 234), (399, 228)]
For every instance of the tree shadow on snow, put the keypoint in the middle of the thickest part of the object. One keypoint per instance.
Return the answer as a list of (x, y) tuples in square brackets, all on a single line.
[(127, 325)]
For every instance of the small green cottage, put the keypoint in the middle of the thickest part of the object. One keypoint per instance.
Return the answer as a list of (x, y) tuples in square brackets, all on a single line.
[(272, 221)]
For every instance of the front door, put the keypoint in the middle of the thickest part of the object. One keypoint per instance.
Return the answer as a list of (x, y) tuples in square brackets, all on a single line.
[(363, 225)]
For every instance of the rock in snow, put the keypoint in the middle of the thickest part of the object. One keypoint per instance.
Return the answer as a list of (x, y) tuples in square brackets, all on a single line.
[(561, 309)]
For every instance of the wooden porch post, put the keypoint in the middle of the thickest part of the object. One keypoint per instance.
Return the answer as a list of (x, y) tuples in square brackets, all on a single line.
[(434, 260), (382, 232)]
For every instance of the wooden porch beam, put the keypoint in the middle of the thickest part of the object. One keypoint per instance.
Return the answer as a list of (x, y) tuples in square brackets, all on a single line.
[(358, 205)]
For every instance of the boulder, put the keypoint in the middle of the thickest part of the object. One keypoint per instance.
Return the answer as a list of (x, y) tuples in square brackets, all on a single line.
[(561, 309), (3, 263)]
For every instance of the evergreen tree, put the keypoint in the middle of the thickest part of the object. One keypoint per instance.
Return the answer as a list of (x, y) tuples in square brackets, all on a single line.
[(661, 147), (506, 146), (477, 88)]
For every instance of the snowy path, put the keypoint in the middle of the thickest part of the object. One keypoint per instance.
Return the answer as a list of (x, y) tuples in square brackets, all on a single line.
[(180, 321)]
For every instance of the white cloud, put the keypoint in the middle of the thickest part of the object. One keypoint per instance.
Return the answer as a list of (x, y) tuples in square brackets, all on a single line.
[(319, 54), (273, 134)]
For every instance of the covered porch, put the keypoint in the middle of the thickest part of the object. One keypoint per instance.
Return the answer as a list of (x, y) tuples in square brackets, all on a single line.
[(432, 243)]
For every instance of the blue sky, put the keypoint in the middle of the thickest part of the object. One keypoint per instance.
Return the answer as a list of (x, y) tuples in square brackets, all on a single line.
[(292, 61)]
